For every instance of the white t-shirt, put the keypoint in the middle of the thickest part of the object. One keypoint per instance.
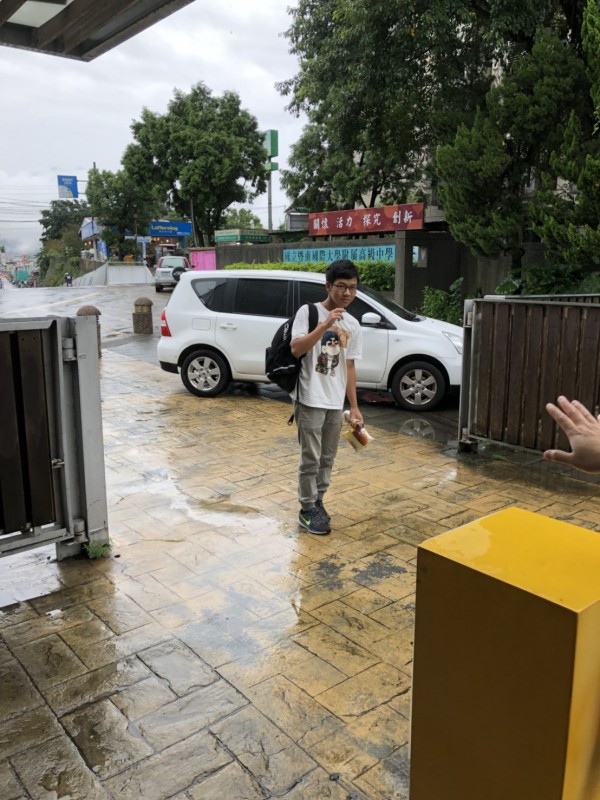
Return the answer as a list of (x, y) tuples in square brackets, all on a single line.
[(324, 373)]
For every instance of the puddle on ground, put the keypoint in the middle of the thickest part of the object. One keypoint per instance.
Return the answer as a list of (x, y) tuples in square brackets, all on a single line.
[(418, 428), (34, 573), (440, 425), (27, 575), (215, 510)]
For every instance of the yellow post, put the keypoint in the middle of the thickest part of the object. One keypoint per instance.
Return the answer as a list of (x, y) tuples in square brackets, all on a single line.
[(506, 681)]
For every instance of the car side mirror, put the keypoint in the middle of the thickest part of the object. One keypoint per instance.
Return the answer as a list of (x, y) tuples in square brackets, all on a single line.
[(370, 318)]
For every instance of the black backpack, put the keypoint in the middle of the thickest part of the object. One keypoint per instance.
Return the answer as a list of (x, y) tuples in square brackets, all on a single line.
[(281, 367)]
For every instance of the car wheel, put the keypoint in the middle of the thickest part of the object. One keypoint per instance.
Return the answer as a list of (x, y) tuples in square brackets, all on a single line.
[(158, 288), (205, 373), (177, 273), (418, 386)]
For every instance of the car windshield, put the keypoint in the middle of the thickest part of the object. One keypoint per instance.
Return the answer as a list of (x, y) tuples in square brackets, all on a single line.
[(389, 304), (172, 261)]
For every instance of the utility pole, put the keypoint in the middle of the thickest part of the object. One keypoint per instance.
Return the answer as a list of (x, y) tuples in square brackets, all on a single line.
[(194, 237), (269, 200)]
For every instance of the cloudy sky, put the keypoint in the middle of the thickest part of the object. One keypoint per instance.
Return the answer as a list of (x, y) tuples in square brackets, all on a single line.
[(59, 116)]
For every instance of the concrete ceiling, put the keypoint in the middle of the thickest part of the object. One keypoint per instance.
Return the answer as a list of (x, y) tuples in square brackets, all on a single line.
[(81, 29)]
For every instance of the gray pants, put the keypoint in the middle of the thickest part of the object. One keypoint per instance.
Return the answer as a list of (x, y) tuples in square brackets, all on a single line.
[(319, 436)]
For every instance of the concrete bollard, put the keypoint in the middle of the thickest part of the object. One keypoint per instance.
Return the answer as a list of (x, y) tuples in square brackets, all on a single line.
[(85, 311), (142, 315)]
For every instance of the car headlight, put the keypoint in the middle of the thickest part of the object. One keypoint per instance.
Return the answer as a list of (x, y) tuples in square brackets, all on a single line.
[(455, 339)]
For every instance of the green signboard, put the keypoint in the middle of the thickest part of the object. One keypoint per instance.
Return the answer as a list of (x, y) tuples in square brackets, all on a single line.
[(238, 236), (272, 143)]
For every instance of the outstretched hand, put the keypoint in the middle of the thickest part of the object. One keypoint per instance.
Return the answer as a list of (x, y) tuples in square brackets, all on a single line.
[(583, 432)]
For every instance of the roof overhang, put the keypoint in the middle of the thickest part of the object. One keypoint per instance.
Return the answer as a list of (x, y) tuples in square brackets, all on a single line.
[(81, 29)]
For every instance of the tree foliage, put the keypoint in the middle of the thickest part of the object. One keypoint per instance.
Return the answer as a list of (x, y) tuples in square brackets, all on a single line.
[(61, 241), (566, 212), (383, 82), (439, 304), (476, 96), (367, 128), (202, 155), (488, 173), (60, 255), (120, 204), (61, 215), (241, 218)]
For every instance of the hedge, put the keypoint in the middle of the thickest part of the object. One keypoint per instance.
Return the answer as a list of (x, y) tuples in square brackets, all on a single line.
[(379, 275)]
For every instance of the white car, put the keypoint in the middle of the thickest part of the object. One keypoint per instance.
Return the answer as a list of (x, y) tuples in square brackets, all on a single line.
[(217, 325), (168, 271)]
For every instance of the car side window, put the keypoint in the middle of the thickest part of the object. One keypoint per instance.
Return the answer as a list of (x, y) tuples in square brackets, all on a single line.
[(311, 293), (261, 297), (358, 307), (211, 292)]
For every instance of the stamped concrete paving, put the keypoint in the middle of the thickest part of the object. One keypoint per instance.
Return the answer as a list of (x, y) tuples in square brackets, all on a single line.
[(220, 653)]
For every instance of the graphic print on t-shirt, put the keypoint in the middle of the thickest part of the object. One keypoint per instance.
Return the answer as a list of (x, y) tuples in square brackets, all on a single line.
[(332, 343)]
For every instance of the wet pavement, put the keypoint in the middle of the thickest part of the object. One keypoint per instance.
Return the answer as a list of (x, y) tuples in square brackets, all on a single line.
[(219, 652)]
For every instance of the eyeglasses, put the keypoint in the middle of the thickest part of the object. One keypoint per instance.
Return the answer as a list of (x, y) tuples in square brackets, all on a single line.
[(341, 287)]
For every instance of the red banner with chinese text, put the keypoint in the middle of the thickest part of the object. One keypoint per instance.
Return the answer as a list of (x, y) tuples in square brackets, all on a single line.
[(409, 216)]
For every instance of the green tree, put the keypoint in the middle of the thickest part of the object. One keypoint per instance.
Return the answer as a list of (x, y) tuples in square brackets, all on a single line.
[(566, 212), (241, 218), (60, 255), (309, 180), (120, 204), (61, 215), (201, 156), (367, 127), (489, 173), (384, 82)]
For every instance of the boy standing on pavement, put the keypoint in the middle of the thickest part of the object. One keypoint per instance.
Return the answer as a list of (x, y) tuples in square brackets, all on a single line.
[(327, 377)]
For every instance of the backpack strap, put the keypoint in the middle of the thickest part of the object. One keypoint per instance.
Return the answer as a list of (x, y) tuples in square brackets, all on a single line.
[(313, 317), (313, 320)]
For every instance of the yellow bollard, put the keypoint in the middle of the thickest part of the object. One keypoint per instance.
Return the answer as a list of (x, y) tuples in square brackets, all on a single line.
[(506, 680)]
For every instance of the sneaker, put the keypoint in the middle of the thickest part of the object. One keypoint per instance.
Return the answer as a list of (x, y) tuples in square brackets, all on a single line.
[(314, 521), (323, 510)]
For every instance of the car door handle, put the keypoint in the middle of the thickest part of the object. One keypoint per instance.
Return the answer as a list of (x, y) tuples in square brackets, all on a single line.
[(230, 326)]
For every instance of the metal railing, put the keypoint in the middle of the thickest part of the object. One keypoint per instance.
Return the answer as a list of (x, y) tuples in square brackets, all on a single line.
[(521, 353)]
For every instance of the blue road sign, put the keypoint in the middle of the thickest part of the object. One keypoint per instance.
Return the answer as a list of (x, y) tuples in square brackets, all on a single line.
[(67, 187)]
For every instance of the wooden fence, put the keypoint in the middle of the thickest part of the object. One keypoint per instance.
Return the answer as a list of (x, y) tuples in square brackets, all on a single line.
[(521, 353)]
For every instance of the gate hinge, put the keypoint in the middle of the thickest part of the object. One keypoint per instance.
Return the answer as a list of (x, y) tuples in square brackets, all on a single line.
[(57, 463), (68, 349)]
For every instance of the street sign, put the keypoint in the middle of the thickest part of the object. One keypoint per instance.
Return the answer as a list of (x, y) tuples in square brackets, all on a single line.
[(272, 143), (67, 187), (162, 227)]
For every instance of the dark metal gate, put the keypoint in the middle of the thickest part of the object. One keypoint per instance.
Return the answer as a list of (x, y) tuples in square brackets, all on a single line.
[(26, 491), (51, 455), (521, 353)]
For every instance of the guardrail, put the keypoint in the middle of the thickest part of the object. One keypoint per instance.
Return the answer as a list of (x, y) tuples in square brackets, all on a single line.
[(521, 353)]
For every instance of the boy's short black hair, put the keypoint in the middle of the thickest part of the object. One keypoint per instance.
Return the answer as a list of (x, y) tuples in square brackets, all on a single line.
[(343, 268)]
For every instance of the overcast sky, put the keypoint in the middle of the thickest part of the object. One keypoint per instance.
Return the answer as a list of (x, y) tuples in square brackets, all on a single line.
[(59, 116)]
